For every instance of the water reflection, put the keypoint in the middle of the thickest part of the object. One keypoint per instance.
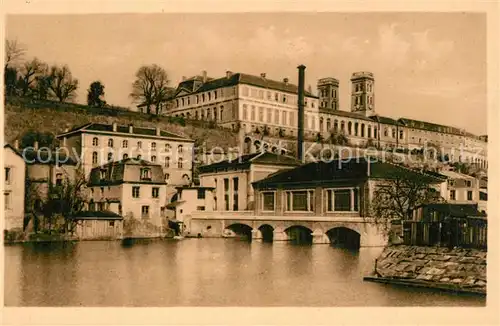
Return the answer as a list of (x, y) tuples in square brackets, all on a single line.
[(202, 272)]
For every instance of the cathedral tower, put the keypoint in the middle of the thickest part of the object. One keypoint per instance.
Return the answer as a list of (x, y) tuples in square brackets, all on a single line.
[(363, 93), (328, 93)]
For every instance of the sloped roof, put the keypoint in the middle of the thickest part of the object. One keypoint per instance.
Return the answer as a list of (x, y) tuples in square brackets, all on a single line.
[(346, 114), (456, 210), (385, 120), (115, 172), (429, 126), (97, 215), (338, 170), (123, 129), (456, 175), (16, 151), (241, 78), (265, 158)]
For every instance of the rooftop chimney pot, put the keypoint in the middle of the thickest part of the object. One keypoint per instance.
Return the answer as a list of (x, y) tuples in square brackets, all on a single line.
[(204, 73), (229, 74), (130, 128), (158, 131), (285, 80), (115, 126)]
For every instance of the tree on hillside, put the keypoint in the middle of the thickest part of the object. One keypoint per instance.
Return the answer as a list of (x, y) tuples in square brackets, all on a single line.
[(150, 87), (401, 192), (28, 74), (62, 84), (41, 88), (13, 52), (95, 94), (44, 139), (10, 81)]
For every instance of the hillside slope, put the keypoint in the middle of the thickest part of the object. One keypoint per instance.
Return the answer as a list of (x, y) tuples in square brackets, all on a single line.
[(22, 116)]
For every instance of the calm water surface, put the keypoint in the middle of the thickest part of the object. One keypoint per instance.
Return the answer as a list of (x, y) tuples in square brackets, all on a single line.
[(203, 272)]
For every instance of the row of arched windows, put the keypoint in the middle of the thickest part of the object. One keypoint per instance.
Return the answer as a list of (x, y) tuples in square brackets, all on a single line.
[(168, 147), (211, 114), (180, 161)]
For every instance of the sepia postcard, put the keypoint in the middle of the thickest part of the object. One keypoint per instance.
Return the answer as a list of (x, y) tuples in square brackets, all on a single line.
[(242, 163)]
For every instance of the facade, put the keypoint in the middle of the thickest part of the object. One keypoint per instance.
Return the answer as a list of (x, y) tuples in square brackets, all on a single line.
[(97, 144), (464, 189), (232, 179), (14, 187), (192, 199), (135, 189), (253, 103)]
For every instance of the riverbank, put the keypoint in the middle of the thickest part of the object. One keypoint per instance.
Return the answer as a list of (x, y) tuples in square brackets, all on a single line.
[(458, 270)]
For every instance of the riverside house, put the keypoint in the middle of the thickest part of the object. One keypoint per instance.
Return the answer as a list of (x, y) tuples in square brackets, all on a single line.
[(132, 188), (14, 188)]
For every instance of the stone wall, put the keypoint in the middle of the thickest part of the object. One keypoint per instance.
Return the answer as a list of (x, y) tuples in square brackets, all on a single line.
[(460, 268)]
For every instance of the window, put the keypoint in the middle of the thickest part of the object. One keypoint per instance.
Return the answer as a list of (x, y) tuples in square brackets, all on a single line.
[(349, 127), (155, 192), (393, 133), (300, 200), (328, 125), (268, 201), (362, 130), (146, 174), (167, 177), (452, 195), (139, 144), (200, 208), (252, 113), (110, 156), (375, 132), (235, 194), (136, 192), (153, 159), (342, 200), (261, 114), (7, 199), (59, 179), (110, 142), (215, 114), (245, 112), (276, 116), (201, 193), (226, 194), (269, 115), (168, 148), (7, 175), (167, 162), (221, 112), (125, 156), (451, 183), (180, 149), (469, 195), (356, 128), (153, 146), (145, 211), (95, 141), (386, 132), (125, 144), (469, 183), (111, 223), (103, 174), (179, 163), (276, 97)]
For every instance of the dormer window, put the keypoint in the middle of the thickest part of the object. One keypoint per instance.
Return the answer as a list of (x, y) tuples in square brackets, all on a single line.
[(146, 174)]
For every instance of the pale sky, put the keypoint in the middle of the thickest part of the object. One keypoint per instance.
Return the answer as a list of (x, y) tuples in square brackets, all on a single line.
[(427, 66)]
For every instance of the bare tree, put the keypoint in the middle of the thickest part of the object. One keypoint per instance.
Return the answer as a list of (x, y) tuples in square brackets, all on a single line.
[(400, 193), (150, 87), (62, 83), (30, 71), (13, 52)]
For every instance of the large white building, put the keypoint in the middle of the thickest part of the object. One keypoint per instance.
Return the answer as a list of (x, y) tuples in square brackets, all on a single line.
[(257, 104)]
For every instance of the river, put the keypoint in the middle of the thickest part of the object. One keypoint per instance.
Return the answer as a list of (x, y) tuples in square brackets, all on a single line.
[(203, 272)]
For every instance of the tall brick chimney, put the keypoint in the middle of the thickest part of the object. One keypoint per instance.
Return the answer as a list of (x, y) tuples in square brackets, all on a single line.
[(300, 120)]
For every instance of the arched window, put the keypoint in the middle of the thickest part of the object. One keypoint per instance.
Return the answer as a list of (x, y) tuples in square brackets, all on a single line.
[(180, 162), (356, 127), (386, 131), (320, 124), (180, 149), (153, 146), (125, 144), (215, 114), (362, 130), (375, 132), (153, 159), (349, 127), (328, 125), (168, 148), (139, 156), (167, 177), (342, 126), (139, 144), (110, 156), (335, 125), (125, 156), (167, 162), (94, 158), (369, 134), (95, 141)]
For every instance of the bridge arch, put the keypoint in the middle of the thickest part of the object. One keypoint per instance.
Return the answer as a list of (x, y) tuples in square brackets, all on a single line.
[(240, 230), (299, 234), (344, 237), (267, 232)]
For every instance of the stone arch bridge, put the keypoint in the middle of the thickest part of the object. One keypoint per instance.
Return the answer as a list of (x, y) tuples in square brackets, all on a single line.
[(351, 232)]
